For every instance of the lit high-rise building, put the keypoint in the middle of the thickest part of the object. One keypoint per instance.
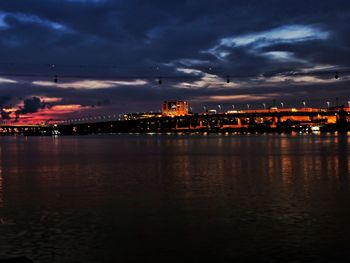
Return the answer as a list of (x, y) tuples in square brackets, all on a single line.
[(174, 108)]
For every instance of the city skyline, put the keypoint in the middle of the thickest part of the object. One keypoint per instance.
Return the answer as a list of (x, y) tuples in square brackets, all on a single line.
[(127, 56)]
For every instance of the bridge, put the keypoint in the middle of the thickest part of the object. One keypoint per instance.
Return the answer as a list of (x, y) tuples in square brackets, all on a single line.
[(304, 120), (283, 120)]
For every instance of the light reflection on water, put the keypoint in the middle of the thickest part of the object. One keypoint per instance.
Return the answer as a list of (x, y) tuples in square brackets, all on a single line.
[(174, 198)]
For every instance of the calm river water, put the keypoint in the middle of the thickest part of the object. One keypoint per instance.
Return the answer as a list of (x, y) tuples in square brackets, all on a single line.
[(175, 198)]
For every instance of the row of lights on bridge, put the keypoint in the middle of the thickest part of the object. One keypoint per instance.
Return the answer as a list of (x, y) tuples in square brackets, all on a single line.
[(264, 105), (93, 118)]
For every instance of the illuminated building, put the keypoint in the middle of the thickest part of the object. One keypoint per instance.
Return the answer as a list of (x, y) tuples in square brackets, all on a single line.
[(175, 108)]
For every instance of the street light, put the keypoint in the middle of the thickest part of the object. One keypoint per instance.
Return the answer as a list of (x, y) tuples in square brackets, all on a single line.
[(328, 104), (233, 106), (264, 105), (282, 104), (219, 106), (304, 104), (248, 106)]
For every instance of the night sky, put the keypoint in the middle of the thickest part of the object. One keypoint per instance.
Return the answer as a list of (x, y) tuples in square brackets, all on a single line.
[(192, 45)]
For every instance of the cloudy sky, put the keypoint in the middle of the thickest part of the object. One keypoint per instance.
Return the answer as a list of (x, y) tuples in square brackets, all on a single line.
[(108, 55)]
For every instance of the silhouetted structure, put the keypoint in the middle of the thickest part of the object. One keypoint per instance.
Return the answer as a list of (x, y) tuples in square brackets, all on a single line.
[(271, 120), (305, 120)]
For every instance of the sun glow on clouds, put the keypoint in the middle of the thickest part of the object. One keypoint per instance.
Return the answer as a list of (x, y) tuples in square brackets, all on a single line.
[(5, 80), (52, 109), (192, 62), (241, 98), (91, 84), (320, 67), (52, 113), (67, 108), (258, 40), (298, 79), (206, 80), (195, 72), (282, 56), (50, 99)]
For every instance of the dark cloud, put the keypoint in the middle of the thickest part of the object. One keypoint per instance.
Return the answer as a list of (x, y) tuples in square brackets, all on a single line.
[(4, 100), (5, 115), (31, 105), (155, 38)]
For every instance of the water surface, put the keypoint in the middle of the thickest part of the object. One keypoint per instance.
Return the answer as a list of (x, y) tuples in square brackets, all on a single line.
[(171, 198)]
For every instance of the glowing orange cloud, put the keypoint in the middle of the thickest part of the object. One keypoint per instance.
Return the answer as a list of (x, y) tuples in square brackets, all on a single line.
[(53, 113)]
